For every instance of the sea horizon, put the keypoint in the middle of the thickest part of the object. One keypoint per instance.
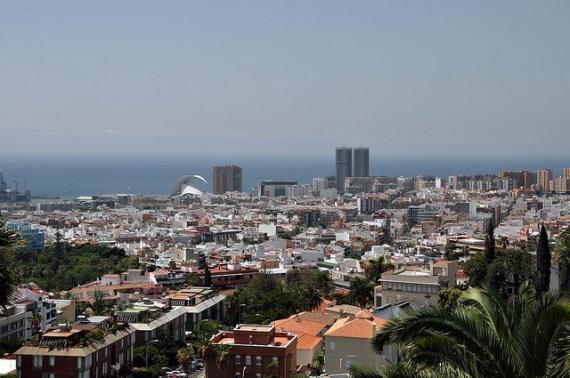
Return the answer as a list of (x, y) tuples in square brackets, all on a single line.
[(68, 178)]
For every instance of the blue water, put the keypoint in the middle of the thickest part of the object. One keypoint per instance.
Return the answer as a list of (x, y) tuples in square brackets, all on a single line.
[(71, 177)]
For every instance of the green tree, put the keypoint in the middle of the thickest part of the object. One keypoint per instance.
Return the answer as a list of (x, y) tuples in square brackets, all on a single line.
[(273, 368), (8, 244), (184, 357), (490, 252), (543, 261), (318, 364), (562, 257), (98, 304), (476, 269), (361, 292), (207, 277), (222, 351), (487, 335), (510, 269), (208, 328), (322, 282), (374, 269), (404, 370), (9, 346), (448, 299)]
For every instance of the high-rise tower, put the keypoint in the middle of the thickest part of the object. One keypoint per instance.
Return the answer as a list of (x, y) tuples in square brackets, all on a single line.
[(544, 176), (361, 160), (343, 166), (227, 178)]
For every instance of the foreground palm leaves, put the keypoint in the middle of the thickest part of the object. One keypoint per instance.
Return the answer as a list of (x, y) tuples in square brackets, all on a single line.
[(486, 336)]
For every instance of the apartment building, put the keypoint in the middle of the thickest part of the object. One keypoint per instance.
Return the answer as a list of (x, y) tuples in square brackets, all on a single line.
[(255, 351), (416, 284), (63, 353)]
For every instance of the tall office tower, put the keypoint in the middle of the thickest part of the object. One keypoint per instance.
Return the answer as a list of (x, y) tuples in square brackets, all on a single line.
[(544, 176), (566, 172), (361, 162), (343, 166), (227, 178)]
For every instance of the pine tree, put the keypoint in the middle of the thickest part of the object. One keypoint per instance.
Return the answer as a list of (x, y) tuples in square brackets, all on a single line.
[(207, 277), (543, 261), (490, 253)]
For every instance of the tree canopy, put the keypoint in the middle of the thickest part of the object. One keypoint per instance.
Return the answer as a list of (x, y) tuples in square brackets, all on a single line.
[(266, 298), (62, 267)]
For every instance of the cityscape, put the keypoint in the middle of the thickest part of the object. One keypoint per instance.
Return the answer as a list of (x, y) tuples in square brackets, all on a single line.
[(285, 190), (211, 269)]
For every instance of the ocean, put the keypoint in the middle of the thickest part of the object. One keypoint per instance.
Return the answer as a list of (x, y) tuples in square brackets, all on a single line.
[(73, 176)]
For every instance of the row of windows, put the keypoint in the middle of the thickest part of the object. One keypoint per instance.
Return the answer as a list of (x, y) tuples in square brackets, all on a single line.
[(12, 326), (411, 288), (258, 360), (238, 375), (232, 278)]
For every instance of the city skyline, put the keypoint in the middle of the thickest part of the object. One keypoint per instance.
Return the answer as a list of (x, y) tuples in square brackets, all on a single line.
[(409, 80)]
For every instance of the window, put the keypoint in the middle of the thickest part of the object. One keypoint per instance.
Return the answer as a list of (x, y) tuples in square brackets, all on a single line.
[(333, 345), (238, 359), (38, 361), (51, 361), (349, 361), (258, 360), (248, 360)]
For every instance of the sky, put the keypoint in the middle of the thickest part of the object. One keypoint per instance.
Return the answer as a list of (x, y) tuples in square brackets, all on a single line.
[(279, 79)]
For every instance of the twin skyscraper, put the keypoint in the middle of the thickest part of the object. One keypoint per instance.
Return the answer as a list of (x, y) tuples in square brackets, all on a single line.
[(351, 162)]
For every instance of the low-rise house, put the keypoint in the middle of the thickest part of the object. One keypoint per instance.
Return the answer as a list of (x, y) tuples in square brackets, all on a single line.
[(348, 342)]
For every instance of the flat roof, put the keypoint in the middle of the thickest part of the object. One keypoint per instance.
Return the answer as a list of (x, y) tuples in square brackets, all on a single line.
[(414, 273), (254, 327)]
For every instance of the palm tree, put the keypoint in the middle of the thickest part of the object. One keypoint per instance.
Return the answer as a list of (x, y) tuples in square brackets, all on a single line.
[(222, 350), (562, 257), (184, 357), (310, 297), (487, 336), (361, 292), (8, 243), (273, 368), (403, 370), (36, 320), (98, 304), (375, 268)]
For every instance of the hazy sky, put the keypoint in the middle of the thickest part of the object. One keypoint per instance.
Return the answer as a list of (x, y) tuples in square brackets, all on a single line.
[(287, 78)]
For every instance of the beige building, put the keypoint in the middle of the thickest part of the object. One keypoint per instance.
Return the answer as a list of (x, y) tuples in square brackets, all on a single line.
[(544, 176), (348, 342), (561, 184), (416, 284)]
